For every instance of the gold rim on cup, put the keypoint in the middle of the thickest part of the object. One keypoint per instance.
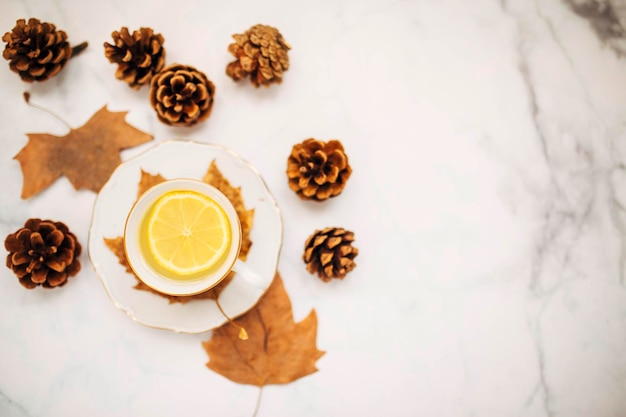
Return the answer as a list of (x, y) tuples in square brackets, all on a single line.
[(148, 274)]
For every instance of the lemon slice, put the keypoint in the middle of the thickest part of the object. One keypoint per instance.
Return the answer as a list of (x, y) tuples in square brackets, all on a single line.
[(187, 233)]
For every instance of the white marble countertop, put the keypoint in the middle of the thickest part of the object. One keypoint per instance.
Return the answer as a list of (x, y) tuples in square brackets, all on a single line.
[(488, 198)]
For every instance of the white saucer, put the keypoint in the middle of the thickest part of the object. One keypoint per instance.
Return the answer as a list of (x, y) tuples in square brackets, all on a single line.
[(183, 159)]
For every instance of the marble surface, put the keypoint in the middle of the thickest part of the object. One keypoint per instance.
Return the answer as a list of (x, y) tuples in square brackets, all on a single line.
[(488, 199)]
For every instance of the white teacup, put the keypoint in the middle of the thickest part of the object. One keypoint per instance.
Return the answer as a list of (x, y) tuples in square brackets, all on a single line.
[(158, 281)]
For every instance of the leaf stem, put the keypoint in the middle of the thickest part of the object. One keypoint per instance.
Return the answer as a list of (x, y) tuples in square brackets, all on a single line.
[(243, 335), (258, 401), (50, 112)]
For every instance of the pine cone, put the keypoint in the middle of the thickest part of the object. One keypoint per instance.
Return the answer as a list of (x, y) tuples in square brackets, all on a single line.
[(43, 253), (139, 56), (181, 95), (261, 53), (329, 253), (318, 170), (36, 50)]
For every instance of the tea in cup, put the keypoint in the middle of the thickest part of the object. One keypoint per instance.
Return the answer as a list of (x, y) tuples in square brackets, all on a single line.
[(183, 237)]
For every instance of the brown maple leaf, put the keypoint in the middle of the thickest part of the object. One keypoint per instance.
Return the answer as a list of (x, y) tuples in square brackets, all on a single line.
[(148, 181), (116, 245), (278, 350), (215, 178), (87, 156)]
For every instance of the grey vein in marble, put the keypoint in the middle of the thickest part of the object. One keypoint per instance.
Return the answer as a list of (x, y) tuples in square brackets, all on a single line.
[(498, 294), (617, 210), (542, 374), (607, 18), (559, 42), (547, 235), (563, 218), (9, 408)]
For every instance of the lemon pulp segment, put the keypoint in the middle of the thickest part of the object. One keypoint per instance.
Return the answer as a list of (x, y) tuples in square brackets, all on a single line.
[(187, 233)]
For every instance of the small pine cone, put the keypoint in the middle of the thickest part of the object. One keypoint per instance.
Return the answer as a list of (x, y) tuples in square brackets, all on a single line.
[(44, 253), (329, 253), (261, 53), (318, 170), (36, 50), (181, 95), (139, 56)]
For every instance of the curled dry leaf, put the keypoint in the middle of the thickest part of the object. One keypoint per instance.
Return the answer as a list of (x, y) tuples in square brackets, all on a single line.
[(87, 156), (215, 178), (278, 350)]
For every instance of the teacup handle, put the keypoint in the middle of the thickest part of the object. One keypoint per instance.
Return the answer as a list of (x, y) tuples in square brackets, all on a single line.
[(249, 275)]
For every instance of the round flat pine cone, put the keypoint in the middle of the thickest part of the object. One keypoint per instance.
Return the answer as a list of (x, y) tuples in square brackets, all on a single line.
[(318, 170), (43, 253), (329, 253), (138, 56), (261, 54), (181, 95), (37, 51)]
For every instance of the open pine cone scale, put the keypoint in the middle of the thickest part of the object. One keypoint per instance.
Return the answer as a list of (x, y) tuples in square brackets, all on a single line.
[(139, 55), (43, 253), (330, 253), (261, 54), (181, 95), (36, 50), (318, 170)]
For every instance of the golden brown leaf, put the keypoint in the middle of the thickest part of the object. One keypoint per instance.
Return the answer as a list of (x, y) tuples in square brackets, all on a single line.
[(116, 245), (86, 156), (278, 350), (148, 181), (215, 178)]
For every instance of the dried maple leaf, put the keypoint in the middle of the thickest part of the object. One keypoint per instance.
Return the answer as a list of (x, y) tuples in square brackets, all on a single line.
[(116, 245), (86, 156), (278, 350), (148, 181), (215, 178)]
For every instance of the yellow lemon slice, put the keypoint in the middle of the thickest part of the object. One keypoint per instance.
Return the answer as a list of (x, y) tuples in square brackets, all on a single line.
[(187, 233)]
